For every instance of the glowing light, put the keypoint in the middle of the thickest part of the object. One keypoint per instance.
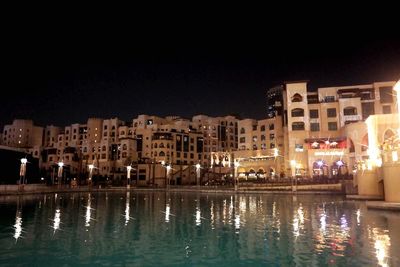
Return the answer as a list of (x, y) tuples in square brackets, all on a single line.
[(24, 160), (315, 144), (320, 163), (162, 162), (91, 166), (60, 164), (88, 212), (339, 163), (276, 152), (198, 166), (293, 162), (237, 164)]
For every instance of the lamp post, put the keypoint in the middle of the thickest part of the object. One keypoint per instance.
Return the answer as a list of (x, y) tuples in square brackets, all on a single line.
[(60, 172), (91, 167), (22, 171), (128, 176), (168, 168), (198, 167), (236, 180)]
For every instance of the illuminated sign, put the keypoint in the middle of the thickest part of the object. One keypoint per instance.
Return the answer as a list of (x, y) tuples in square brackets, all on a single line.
[(329, 153)]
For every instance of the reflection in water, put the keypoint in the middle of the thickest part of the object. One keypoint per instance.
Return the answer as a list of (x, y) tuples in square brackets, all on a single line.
[(262, 230), (57, 220), (167, 212), (88, 211), (18, 225), (381, 241), (198, 216), (127, 216)]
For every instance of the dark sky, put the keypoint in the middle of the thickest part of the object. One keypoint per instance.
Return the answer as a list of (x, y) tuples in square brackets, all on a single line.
[(64, 81)]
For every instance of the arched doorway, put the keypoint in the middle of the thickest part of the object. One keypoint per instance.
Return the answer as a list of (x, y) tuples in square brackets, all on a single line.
[(339, 169), (320, 168), (364, 143)]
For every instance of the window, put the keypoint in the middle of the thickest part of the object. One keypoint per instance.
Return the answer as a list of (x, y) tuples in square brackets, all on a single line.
[(262, 137), (271, 136), (331, 112), (254, 138), (263, 128), (386, 109), (297, 98), (297, 126), (124, 147), (298, 148), (272, 145), (242, 140), (329, 98), (314, 127), (298, 112), (272, 126), (332, 126), (386, 94), (314, 113), (254, 127), (348, 111), (103, 148), (162, 154), (254, 147)]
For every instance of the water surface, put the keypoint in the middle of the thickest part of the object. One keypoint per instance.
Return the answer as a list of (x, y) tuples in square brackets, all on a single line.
[(194, 229)]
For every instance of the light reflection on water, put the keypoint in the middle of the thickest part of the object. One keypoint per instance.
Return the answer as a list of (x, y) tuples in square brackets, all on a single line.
[(195, 229)]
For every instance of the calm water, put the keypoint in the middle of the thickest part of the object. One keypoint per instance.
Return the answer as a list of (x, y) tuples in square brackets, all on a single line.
[(189, 229)]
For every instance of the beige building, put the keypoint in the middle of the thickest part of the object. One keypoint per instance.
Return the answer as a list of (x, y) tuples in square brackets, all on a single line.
[(22, 134), (326, 132)]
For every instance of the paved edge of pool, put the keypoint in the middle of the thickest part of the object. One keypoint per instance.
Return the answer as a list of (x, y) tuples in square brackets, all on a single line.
[(382, 205)]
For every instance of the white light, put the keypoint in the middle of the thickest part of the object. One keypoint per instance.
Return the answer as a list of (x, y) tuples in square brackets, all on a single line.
[(320, 163), (329, 153), (293, 162), (129, 168), (340, 163), (91, 166), (60, 164), (24, 160), (168, 168), (198, 166), (162, 162), (237, 164)]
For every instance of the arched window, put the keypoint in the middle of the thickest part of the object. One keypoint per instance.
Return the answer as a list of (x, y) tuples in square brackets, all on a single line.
[(388, 134), (155, 153), (297, 98), (122, 132), (263, 128), (298, 112), (161, 145), (262, 137), (162, 154), (348, 111), (298, 126), (113, 128), (124, 147), (242, 130), (155, 145)]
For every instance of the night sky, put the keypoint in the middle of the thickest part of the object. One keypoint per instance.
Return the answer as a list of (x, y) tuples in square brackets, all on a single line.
[(66, 82)]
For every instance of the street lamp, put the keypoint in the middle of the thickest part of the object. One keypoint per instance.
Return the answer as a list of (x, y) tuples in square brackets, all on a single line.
[(168, 167), (60, 172), (237, 164), (198, 167), (91, 167), (128, 176), (22, 171)]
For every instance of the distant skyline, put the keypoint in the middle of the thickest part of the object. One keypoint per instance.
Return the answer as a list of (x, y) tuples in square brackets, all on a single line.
[(67, 84)]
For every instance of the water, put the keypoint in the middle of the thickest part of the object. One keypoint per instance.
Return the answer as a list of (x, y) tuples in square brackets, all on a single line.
[(189, 229)]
